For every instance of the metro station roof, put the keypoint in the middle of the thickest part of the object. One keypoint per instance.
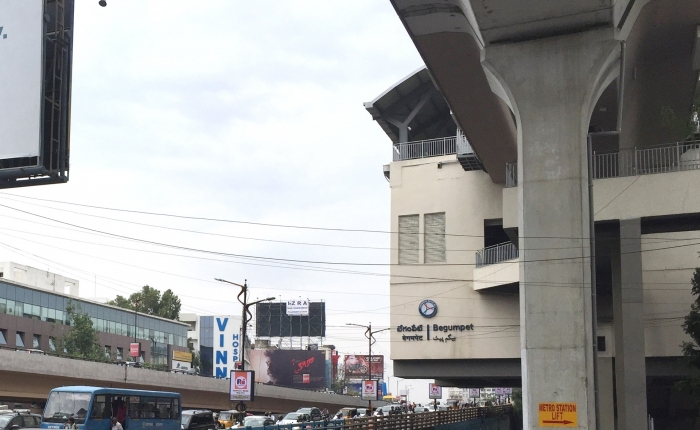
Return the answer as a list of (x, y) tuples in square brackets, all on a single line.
[(432, 121)]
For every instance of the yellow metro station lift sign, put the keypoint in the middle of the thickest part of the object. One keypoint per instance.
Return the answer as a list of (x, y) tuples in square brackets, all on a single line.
[(558, 415)]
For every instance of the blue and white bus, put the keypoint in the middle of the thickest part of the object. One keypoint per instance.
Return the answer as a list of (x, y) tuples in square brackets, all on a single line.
[(92, 408)]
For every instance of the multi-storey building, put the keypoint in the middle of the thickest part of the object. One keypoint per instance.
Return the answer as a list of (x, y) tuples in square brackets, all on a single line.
[(491, 264), (32, 316)]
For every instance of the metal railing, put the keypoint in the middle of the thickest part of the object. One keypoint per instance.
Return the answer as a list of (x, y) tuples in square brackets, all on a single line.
[(425, 148), (403, 421), (496, 254), (463, 145), (674, 157), (512, 174)]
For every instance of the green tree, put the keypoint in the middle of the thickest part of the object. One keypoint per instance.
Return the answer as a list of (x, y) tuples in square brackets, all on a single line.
[(691, 326), (683, 125), (81, 339), (151, 302)]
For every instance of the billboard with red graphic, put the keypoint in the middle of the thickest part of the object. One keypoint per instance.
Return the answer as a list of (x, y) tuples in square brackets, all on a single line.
[(242, 385), (289, 368), (356, 366)]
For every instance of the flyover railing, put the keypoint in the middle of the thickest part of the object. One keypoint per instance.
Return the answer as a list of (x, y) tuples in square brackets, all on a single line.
[(673, 157), (496, 254), (417, 421), (425, 148)]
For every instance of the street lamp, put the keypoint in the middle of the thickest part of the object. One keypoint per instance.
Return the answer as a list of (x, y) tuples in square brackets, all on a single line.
[(369, 334), (247, 316), (136, 307)]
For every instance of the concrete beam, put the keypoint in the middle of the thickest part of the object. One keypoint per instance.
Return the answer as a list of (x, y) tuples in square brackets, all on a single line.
[(32, 376)]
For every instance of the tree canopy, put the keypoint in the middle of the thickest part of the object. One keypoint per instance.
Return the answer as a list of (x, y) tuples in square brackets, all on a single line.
[(81, 340), (691, 324), (150, 301)]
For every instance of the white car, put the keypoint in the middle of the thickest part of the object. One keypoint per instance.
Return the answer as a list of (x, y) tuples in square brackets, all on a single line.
[(290, 418)]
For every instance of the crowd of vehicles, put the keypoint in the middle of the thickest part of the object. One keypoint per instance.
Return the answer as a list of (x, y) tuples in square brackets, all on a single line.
[(97, 408)]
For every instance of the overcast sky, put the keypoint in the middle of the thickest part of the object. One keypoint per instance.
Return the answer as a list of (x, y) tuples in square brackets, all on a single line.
[(235, 110)]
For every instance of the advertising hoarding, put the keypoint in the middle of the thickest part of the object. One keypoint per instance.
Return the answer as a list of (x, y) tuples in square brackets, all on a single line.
[(227, 345), (242, 386), (474, 393), (369, 390), (289, 368), (21, 44), (434, 391), (356, 366), (299, 307), (181, 365), (134, 349), (272, 320), (185, 356)]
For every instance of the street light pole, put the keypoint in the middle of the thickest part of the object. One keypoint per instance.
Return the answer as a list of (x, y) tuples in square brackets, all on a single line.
[(369, 334), (247, 316), (136, 307)]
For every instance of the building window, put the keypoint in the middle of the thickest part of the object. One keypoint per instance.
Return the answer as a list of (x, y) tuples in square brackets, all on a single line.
[(19, 340), (3, 337), (36, 341), (408, 239), (601, 344), (435, 238), (120, 353), (52, 344), (108, 351)]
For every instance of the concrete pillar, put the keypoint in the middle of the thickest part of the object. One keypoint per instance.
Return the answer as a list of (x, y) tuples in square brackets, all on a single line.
[(551, 83), (628, 319), (605, 393)]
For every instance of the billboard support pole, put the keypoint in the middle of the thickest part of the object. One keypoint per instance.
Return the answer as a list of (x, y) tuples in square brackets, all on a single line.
[(247, 316), (369, 334)]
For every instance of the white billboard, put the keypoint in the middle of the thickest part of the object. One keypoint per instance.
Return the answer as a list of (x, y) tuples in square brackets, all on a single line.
[(298, 307), (21, 29), (227, 344)]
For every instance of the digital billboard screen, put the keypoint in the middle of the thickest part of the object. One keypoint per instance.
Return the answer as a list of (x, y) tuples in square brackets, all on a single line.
[(294, 368)]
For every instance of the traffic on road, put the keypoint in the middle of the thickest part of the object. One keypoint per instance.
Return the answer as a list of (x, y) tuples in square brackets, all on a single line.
[(99, 408)]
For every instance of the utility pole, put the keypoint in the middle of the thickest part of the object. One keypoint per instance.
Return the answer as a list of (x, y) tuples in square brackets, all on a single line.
[(369, 334), (247, 315)]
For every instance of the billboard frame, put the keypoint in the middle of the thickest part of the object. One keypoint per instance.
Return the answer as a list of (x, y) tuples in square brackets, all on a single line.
[(245, 395), (432, 389), (51, 166), (272, 321), (375, 396)]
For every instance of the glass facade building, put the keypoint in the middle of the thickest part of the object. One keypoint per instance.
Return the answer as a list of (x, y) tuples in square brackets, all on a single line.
[(48, 306)]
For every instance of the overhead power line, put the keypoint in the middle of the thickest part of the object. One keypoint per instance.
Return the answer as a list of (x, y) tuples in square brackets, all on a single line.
[(289, 260), (232, 221)]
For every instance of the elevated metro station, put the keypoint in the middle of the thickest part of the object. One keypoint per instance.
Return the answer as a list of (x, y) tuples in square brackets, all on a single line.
[(491, 267)]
